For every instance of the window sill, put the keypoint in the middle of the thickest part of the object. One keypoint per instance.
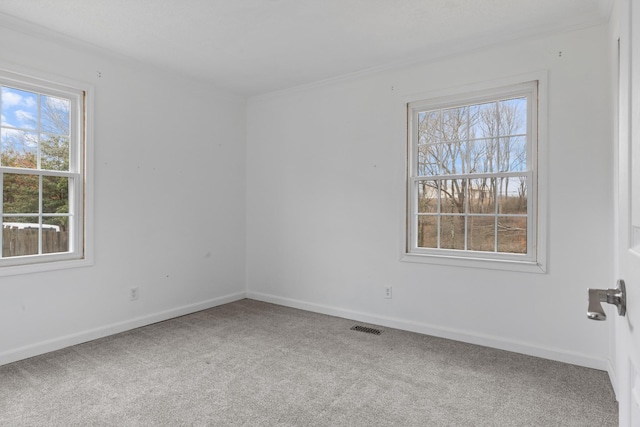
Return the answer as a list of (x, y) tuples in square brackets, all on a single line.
[(14, 270), (484, 263)]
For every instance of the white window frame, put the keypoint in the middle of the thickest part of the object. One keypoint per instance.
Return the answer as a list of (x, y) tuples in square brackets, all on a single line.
[(80, 172), (534, 87)]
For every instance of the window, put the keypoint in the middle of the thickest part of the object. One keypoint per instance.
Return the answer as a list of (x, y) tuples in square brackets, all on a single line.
[(42, 175), (472, 176)]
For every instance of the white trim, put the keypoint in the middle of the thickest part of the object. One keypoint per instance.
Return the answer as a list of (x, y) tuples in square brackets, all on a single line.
[(396, 323), (114, 328), (81, 170), (484, 263), (15, 270), (477, 91), (440, 331)]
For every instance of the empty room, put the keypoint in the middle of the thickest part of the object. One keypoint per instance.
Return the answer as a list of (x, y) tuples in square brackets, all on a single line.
[(320, 213)]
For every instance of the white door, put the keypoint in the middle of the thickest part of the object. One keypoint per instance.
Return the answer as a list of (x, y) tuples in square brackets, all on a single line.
[(626, 330)]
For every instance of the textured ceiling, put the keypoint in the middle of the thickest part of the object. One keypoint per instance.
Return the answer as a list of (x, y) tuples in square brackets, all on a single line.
[(258, 46)]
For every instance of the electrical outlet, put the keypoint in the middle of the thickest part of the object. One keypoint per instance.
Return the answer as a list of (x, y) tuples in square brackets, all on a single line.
[(388, 292), (133, 294)]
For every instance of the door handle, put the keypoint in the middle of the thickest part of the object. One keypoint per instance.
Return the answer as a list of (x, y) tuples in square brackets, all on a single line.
[(617, 297)]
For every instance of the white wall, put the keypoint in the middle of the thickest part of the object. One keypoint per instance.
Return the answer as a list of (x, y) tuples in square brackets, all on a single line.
[(325, 200), (169, 203), (322, 174)]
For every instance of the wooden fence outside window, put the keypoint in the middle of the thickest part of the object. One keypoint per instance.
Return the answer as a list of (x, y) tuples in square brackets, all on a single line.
[(24, 241)]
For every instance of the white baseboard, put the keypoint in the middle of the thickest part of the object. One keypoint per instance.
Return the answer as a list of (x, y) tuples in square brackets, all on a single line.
[(14, 355), (442, 332), (103, 331)]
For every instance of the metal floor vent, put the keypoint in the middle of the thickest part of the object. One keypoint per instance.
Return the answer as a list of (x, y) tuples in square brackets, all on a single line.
[(366, 330)]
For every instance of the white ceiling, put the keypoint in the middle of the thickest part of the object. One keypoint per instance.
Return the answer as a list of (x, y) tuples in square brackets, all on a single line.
[(258, 46)]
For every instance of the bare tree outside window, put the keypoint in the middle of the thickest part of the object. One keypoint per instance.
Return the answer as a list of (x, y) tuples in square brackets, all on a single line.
[(471, 177)]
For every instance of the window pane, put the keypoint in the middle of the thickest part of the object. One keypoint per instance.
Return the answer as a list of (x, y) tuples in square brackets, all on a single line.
[(482, 195), (54, 115), (475, 156), (483, 120), (512, 195), (427, 231), (20, 193), (427, 196), (429, 159), (454, 124), (512, 235), (435, 159), (513, 116), (19, 108), (54, 152), (452, 158), (483, 155), (481, 233), (513, 154), (429, 127), (19, 148), (452, 232), (19, 236), (55, 235), (55, 194), (462, 158), (452, 195)]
